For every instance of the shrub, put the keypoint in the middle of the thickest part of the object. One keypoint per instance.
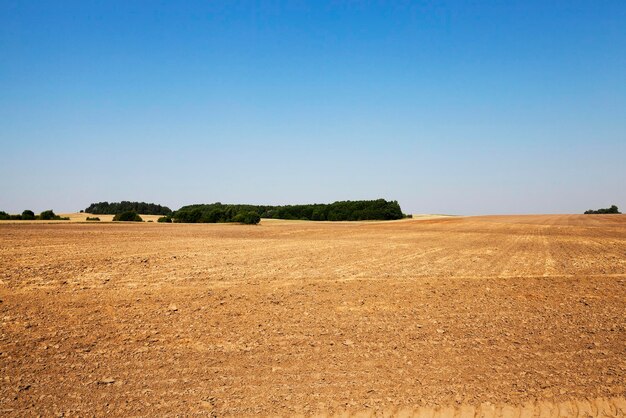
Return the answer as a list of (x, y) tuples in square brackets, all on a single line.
[(28, 215), (127, 217), (165, 219), (95, 218), (4, 216), (48, 215), (248, 218)]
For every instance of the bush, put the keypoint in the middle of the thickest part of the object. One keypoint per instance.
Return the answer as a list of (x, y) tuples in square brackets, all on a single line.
[(4, 216), (165, 219), (95, 218), (47, 215), (248, 218), (127, 217), (612, 210), (28, 215)]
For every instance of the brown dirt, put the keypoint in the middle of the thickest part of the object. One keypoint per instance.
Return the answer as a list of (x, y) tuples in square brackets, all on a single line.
[(473, 316)]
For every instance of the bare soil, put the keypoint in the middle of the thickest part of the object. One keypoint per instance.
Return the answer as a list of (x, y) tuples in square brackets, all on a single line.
[(461, 316)]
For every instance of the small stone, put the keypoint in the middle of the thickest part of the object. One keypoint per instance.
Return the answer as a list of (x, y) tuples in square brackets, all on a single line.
[(440, 331), (106, 381), (172, 308)]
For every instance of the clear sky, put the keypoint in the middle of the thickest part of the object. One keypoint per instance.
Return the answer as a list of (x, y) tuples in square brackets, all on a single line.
[(463, 107)]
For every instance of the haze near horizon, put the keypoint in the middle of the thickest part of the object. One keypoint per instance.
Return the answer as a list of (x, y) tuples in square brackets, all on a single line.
[(447, 107)]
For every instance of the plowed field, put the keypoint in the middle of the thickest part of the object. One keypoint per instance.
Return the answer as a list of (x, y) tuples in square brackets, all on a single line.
[(468, 316)]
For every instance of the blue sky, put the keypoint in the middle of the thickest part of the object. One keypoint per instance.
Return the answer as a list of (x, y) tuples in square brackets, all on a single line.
[(448, 107)]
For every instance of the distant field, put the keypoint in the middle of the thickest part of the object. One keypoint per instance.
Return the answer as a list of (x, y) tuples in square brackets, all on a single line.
[(82, 217), (473, 316)]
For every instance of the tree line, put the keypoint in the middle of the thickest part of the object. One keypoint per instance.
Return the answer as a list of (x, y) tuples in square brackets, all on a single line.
[(359, 210), (215, 213), (29, 215), (115, 208), (612, 210)]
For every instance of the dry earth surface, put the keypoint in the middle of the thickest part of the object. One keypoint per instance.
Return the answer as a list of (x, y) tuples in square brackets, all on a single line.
[(463, 316)]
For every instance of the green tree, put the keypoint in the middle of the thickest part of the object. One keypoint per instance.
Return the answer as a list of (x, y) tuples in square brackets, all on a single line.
[(249, 218), (47, 215)]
